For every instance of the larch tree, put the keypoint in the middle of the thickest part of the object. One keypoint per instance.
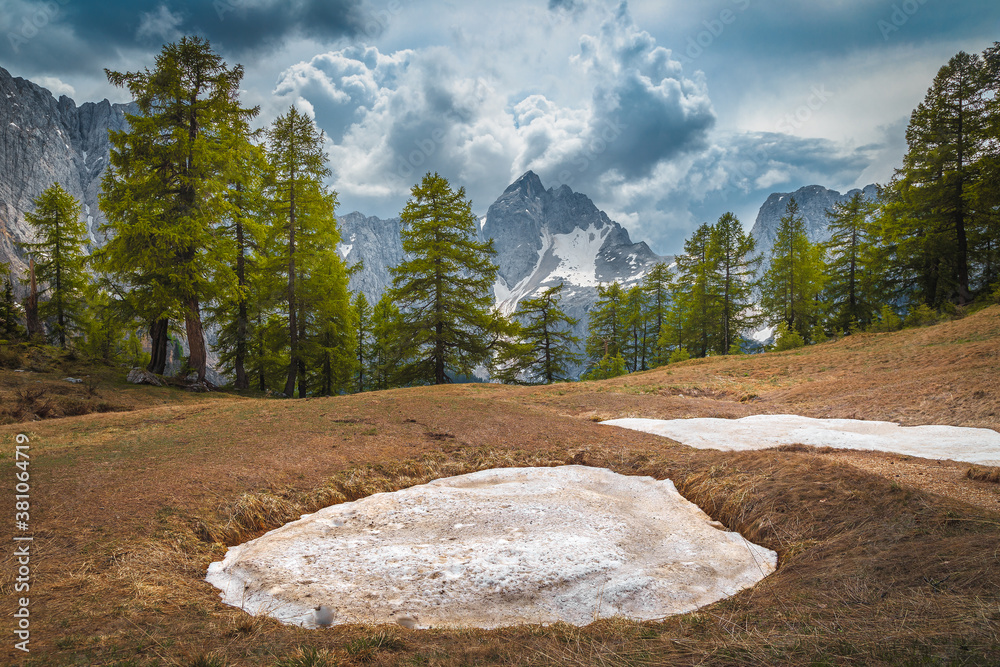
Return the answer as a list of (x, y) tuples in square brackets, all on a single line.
[(658, 285), (606, 328), (165, 188), (316, 297), (851, 265), (9, 311), (543, 351), (636, 329), (246, 226), (935, 187), (388, 355), (362, 339), (698, 268), (444, 288), (984, 239), (734, 261), (60, 261), (792, 283)]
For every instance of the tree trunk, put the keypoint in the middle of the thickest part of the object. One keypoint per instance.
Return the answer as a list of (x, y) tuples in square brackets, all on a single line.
[(239, 363), (158, 343), (196, 338), (261, 376), (34, 325), (303, 390), (293, 327)]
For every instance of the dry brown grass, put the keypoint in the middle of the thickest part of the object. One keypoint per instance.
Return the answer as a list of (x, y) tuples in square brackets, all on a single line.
[(944, 374), (33, 387), (984, 474), (128, 510)]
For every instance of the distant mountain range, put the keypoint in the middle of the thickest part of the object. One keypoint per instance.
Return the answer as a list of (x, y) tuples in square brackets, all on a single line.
[(543, 237)]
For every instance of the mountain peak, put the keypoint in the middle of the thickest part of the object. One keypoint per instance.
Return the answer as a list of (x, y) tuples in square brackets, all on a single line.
[(529, 183)]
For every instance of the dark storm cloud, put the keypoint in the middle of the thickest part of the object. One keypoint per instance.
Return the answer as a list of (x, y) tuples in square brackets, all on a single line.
[(645, 111), (780, 29), (650, 124), (69, 35)]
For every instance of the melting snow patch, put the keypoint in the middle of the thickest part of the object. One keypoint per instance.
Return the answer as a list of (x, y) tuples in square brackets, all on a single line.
[(495, 548), (345, 249), (971, 445)]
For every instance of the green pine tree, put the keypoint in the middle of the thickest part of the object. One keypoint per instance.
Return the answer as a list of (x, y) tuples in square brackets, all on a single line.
[(247, 227), (732, 253), (984, 193), (109, 326), (9, 310), (444, 289), (638, 343), (659, 287), (165, 189), (792, 284), (674, 334), (362, 340), (608, 367), (60, 262), (388, 352), (942, 203), (543, 352), (698, 269), (305, 238), (852, 268), (606, 329)]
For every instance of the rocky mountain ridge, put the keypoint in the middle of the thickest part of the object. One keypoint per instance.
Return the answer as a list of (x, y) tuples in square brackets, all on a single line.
[(44, 140), (546, 237), (813, 200)]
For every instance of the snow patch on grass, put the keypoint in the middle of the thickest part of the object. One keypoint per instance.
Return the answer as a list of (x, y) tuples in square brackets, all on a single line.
[(495, 548), (958, 443)]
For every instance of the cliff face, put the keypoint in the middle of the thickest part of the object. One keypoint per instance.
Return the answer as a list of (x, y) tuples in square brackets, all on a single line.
[(813, 200), (43, 141), (377, 245)]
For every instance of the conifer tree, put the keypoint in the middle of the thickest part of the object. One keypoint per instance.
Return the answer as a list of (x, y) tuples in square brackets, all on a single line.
[(543, 352), (387, 354), (60, 262), (674, 333), (658, 285), (941, 203), (698, 269), (732, 256), (363, 339), (444, 289), (306, 237), (852, 269), (165, 189), (109, 325), (327, 322), (9, 327), (608, 367), (246, 225), (791, 285), (636, 329), (984, 240), (606, 325)]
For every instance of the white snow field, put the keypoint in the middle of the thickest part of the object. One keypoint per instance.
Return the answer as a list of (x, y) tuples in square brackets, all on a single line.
[(971, 445), (495, 548)]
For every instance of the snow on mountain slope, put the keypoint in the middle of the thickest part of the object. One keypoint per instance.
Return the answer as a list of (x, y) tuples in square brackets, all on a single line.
[(547, 237)]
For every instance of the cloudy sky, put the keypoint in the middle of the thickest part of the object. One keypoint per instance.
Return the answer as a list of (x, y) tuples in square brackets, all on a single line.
[(666, 112)]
